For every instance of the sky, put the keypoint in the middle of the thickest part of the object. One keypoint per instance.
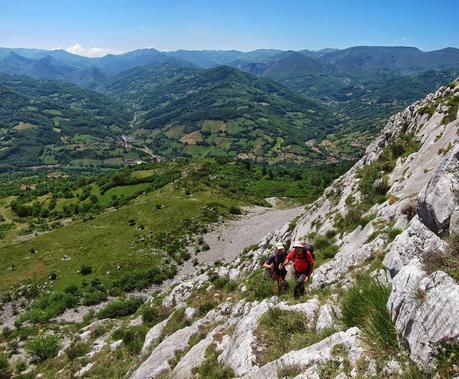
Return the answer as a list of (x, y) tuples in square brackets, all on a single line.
[(98, 27)]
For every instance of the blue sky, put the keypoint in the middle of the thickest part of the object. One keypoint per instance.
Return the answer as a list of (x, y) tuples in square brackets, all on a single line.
[(100, 26)]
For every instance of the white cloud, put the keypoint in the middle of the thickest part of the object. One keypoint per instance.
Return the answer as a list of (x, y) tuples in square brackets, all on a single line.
[(90, 52)]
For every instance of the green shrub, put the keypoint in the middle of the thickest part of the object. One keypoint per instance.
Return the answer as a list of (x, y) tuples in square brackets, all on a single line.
[(141, 279), (205, 308), (85, 270), (43, 347), (260, 286), (20, 366), (231, 285), (51, 305), (447, 358), (394, 232), (119, 308), (134, 338), (280, 331), (211, 368), (176, 322), (220, 282), (5, 369), (152, 316), (364, 306), (235, 210), (76, 350), (94, 297), (325, 247)]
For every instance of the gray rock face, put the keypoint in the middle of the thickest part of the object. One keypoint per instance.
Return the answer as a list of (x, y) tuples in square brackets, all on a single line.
[(424, 309), (309, 358), (454, 223), (414, 242), (326, 318), (194, 357), (238, 353), (158, 361), (353, 252), (439, 198)]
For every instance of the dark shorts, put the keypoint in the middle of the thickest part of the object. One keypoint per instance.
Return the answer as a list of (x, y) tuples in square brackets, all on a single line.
[(278, 274)]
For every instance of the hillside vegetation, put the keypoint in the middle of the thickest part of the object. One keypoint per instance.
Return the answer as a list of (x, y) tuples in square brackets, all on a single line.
[(50, 122)]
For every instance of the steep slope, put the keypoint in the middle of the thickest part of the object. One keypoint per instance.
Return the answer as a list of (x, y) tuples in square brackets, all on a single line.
[(383, 301), (220, 111), (403, 188), (49, 122)]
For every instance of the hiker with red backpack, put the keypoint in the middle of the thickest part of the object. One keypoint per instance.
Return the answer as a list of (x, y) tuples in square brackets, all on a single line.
[(274, 265), (303, 262)]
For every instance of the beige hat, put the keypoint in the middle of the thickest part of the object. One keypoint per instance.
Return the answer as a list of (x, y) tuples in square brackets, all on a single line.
[(280, 245), (298, 244)]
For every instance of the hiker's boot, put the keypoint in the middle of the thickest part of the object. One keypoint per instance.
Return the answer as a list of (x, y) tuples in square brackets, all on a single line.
[(297, 292)]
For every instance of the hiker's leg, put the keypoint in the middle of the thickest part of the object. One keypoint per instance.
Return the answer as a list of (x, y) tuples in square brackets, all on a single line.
[(300, 283)]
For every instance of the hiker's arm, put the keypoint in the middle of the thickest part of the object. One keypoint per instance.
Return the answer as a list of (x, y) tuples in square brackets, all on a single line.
[(288, 258), (310, 270), (268, 266)]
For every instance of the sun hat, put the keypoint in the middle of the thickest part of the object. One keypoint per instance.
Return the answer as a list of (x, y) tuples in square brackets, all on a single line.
[(298, 244), (279, 245)]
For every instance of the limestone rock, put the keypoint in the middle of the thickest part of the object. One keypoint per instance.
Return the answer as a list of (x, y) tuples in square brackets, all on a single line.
[(238, 353), (454, 223), (415, 241), (424, 309), (439, 198), (352, 253), (189, 313), (194, 357), (179, 294), (309, 358), (158, 361), (326, 318), (153, 334), (84, 370)]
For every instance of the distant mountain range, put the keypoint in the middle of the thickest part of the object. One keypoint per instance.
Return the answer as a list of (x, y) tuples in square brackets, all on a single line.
[(276, 105), (59, 64)]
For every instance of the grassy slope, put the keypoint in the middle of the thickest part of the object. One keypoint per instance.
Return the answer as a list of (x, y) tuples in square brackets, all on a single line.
[(104, 242)]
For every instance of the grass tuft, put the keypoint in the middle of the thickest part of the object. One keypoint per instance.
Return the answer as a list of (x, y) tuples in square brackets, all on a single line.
[(364, 306)]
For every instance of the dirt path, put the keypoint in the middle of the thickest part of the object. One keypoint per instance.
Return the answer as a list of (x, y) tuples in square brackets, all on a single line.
[(228, 240)]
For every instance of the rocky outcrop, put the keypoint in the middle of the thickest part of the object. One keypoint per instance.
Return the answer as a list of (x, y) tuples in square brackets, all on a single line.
[(414, 242), (238, 353), (439, 198), (306, 362), (158, 361), (195, 356), (424, 309), (353, 253)]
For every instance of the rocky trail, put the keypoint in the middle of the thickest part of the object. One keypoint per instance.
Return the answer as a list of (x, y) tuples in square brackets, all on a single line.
[(228, 239)]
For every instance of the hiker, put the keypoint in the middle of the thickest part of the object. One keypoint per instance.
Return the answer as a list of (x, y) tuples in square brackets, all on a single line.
[(303, 262), (274, 265)]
